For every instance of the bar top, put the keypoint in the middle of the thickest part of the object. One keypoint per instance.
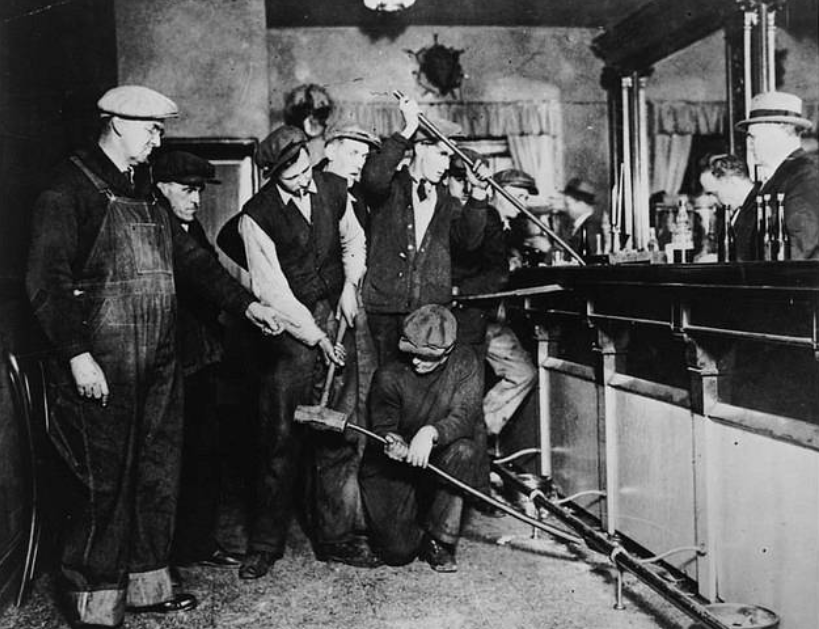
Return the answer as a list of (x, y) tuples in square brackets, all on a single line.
[(794, 277)]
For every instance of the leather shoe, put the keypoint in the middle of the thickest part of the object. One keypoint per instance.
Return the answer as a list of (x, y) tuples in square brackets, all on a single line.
[(439, 556), (179, 603), (256, 564), (219, 559), (353, 553)]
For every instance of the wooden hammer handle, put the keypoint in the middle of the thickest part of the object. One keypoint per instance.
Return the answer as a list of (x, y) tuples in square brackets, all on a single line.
[(331, 370)]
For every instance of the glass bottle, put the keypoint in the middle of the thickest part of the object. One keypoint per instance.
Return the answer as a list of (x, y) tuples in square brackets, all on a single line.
[(759, 230), (783, 239), (727, 249), (768, 239), (683, 236)]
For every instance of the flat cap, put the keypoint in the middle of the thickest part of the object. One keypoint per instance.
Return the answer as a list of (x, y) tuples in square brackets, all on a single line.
[(278, 148), (580, 189), (447, 128), (429, 332), (517, 179), (136, 102), (779, 107), (183, 167), (352, 132)]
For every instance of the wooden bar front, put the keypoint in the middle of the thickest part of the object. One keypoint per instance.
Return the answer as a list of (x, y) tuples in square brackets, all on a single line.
[(684, 402)]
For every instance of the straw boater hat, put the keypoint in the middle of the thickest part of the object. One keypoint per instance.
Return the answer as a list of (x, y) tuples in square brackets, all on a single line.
[(778, 107)]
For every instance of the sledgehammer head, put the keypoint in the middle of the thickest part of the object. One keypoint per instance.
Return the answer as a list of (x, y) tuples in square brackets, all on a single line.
[(321, 418)]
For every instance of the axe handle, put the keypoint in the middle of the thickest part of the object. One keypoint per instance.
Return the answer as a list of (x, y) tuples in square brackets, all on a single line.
[(331, 369)]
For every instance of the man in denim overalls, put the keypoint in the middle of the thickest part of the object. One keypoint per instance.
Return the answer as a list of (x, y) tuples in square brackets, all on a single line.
[(102, 268)]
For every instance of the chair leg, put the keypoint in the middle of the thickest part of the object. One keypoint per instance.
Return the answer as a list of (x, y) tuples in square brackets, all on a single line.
[(31, 556)]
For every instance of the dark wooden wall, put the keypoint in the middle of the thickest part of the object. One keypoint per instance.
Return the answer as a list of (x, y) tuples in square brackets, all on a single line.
[(56, 59)]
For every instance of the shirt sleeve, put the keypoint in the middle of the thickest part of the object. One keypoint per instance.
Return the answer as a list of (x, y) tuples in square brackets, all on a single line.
[(384, 402), (353, 245), (271, 287), (468, 225)]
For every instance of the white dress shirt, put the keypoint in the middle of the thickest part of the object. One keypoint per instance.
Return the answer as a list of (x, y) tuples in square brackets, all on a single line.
[(267, 280)]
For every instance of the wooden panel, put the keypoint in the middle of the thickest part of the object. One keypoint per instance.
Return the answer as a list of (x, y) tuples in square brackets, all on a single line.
[(574, 432), (768, 525), (656, 490)]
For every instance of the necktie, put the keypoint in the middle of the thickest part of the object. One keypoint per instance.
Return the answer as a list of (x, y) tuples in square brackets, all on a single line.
[(422, 190)]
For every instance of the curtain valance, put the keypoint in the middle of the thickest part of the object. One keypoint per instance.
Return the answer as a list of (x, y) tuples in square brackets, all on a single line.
[(478, 119)]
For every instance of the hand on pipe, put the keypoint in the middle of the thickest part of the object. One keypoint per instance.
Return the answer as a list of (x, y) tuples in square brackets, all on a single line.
[(412, 113), (421, 446), (89, 378), (395, 447)]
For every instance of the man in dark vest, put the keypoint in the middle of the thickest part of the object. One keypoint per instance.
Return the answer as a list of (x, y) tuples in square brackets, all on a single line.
[(104, 264), (306, 254), (180, 178)]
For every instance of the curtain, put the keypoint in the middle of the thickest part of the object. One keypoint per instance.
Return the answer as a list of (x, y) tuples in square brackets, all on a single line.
[(668, 166), (539, 156)]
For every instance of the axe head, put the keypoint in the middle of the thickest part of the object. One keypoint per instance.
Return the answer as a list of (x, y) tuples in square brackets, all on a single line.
[(321, 418)]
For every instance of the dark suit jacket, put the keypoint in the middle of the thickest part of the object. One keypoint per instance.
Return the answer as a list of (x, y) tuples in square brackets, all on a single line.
[(745, 228), (798, 178)]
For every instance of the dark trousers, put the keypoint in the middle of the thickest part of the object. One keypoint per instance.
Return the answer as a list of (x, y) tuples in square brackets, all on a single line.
[(126, 459), (403, 502), (386, 331), (292, 375), (194, 538)]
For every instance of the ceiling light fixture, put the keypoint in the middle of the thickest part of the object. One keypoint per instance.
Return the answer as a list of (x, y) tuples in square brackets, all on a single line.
[(388, 6)]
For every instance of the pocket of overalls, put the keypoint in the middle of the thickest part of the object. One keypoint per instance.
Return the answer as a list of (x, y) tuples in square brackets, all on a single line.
[(151, 249)]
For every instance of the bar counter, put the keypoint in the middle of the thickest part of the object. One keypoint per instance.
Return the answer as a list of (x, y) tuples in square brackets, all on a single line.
[(682, 403)]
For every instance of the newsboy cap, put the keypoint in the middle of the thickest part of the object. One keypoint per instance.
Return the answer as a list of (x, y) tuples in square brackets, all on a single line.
[(183, 167), (447, 128), (778, 107), (352, 132), (136, 102), (517, 179), (278, 148), (429, 332), (579, 189)]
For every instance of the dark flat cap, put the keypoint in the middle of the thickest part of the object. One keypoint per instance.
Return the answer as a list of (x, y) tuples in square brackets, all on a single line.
[(352, 132), (429, 332), (457, 166), (183, 167), (580, 189), (517, 179), (136, 102), (278, 148)]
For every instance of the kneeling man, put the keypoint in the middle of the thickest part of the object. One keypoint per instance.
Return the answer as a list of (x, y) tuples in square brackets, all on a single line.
[(428, 407)]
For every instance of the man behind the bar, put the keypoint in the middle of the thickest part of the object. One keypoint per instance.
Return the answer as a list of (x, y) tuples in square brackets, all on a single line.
[(726, 177), (428, 408), (103, 265), (305, 253), (413, 220), (774, 125), (180, 178)]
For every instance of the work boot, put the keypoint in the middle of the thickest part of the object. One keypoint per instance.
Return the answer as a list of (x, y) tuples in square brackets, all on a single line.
[(256, 564), (353, 553), (179, 603), (439, 556)]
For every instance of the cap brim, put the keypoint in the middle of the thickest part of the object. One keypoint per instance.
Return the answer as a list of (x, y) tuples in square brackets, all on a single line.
[(289, 153), (802, 123), (424, 352)]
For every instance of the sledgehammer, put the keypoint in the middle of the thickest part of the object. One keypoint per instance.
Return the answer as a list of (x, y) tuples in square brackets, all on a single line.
[(321, 415), (337, 422)]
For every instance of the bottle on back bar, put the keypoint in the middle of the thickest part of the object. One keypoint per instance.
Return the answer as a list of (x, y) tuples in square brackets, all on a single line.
[(783, 238), (683, 236), (727, 248), (759, 230), (768, 238)]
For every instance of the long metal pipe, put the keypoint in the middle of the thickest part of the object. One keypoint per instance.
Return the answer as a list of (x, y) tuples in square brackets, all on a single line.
[(621, 559), (498, 188), (551, 530)]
